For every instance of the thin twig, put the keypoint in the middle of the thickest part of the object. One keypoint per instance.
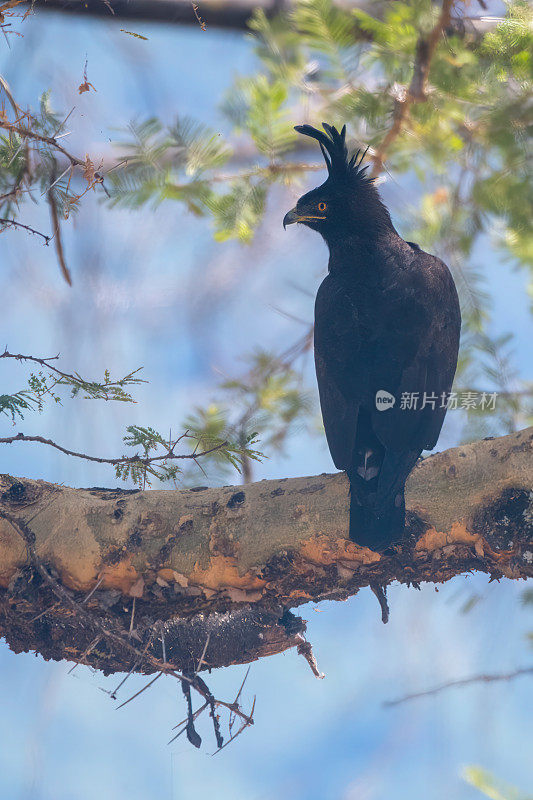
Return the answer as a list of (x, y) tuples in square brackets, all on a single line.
[(150, 683), (93, 590), (136, 459), (132, 617), (242, 685), (235, 702), (13, 223), (196, 714), (74, 378), (504, 676), (57, 180), (86, 652), (196, 10), (62, 124), (135, 664), (51, 608), (198, 668), (241, 729), (163, 646)]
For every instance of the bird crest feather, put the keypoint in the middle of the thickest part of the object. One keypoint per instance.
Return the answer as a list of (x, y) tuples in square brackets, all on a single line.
[(335, 152)]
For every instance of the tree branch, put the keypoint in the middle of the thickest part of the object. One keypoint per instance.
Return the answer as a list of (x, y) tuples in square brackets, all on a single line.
[(502, 676), (169, 455), (116, 637), (26, 133), (96, 178), (108, 389), (416, 93), (14, 224), (228, 563)]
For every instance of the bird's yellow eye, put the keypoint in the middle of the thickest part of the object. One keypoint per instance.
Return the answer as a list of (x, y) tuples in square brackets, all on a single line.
[(322, 206)]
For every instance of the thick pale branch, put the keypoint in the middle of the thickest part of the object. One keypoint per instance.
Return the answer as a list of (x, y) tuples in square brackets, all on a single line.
[(228, 563)]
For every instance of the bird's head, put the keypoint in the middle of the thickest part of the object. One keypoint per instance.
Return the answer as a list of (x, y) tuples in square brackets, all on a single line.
[(347, 203)]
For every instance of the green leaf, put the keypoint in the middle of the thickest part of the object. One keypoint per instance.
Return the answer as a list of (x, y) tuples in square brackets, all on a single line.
[(237, 213), (328, 30)]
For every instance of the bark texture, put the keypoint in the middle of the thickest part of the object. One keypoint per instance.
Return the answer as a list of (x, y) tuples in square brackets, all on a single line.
[(225, 565)]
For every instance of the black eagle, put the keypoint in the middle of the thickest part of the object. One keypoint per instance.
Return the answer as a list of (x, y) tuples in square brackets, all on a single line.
[(387, 324)]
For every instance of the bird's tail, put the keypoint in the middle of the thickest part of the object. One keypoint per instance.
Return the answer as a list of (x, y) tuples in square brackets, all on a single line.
[(375, 526), (377, 506)]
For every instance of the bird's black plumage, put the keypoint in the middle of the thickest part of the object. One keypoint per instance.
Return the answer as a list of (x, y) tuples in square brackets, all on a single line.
[(387, 323)]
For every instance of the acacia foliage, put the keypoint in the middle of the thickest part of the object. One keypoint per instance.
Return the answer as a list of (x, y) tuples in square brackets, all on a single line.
[(464, 137)]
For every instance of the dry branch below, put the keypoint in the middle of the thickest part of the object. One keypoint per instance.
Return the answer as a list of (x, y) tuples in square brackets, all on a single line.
[(225, 565)]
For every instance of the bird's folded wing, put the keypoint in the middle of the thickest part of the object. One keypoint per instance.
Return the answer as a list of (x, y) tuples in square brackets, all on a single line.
[(409, 352)]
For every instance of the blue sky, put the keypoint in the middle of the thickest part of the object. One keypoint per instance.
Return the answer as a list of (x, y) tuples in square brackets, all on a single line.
[(142, 283)]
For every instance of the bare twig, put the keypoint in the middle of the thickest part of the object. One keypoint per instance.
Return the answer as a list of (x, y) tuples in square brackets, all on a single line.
[(504, 676), (201, 661), (135, 663), (132, 617), (184, 722), (57, 180), (136, 459), (86, 652), (163, 646), (42, 614), (242, 686), (93, 590), (241, 729), (14, 224), (147, 686), (196, 10), (235, 702)]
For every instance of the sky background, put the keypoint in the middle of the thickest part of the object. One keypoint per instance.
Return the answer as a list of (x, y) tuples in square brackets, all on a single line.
[(154, 289)]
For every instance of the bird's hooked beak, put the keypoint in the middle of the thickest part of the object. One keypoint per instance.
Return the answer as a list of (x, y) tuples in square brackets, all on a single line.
[(291, 217), (298, 216)]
